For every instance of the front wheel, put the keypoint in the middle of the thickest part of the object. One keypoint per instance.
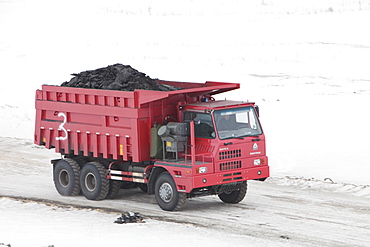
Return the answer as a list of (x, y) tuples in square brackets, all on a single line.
[(235, 196), (94, 182), (166, 194)]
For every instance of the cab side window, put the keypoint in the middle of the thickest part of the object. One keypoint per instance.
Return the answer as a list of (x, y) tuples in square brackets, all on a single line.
[(203, 125)]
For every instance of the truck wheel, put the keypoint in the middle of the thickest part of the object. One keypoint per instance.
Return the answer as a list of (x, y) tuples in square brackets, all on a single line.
[(66, 177), (114, 187), (94, 182), (166, 194), (235, 196)]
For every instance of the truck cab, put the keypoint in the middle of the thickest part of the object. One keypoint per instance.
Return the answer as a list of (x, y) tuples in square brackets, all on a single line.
[(226, 147)]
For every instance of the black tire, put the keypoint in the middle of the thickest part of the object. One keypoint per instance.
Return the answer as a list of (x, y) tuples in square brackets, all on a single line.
[(94, 182), (235, 196), (66, 177), (166, 194), (114, 187), (80, 160)]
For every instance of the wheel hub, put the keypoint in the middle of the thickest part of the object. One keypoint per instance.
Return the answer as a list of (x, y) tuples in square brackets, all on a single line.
[(166, 192), (90, 181), (64, 178)]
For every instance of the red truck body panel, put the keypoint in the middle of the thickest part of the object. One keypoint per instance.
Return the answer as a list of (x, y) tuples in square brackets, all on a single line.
[(108, 123)]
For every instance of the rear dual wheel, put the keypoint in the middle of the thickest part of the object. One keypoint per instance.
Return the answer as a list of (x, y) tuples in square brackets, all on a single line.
[(70, 179), (66, 177), (94, 182)]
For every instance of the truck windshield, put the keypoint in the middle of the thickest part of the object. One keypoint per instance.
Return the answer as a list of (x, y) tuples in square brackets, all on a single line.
[(237, 123)]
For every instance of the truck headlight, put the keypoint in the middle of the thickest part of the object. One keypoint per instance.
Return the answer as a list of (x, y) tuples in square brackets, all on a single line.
[(257, 162), (202, 169)]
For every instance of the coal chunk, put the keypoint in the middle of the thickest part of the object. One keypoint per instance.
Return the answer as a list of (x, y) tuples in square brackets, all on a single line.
[(116, 77), (130, 217)]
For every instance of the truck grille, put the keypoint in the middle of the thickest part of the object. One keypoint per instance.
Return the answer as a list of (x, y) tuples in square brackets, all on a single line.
[(224, 166), (230, 154)]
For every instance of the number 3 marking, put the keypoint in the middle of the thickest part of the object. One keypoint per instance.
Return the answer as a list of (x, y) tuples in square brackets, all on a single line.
[(61, 127)]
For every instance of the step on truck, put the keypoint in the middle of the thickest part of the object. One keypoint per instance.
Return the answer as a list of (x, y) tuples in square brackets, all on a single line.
[(174, 144)]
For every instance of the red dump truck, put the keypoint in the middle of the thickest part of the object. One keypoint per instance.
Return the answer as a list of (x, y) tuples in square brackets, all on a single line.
[(173, 144)]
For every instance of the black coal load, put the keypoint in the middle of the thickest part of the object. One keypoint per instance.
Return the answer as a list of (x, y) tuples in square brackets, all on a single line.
[(116, 77)]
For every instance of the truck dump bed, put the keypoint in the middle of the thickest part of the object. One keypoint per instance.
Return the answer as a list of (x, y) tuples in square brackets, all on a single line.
[(108, 123)]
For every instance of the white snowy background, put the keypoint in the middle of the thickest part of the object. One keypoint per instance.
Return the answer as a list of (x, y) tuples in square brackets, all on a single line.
[(305, 63)]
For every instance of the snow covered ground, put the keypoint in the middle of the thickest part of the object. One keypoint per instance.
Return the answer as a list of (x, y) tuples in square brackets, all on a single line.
[(304, 62), (288, 212), (33, 224)]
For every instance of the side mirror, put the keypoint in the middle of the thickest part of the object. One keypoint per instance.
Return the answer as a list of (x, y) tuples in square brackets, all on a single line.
[(257, 110)]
